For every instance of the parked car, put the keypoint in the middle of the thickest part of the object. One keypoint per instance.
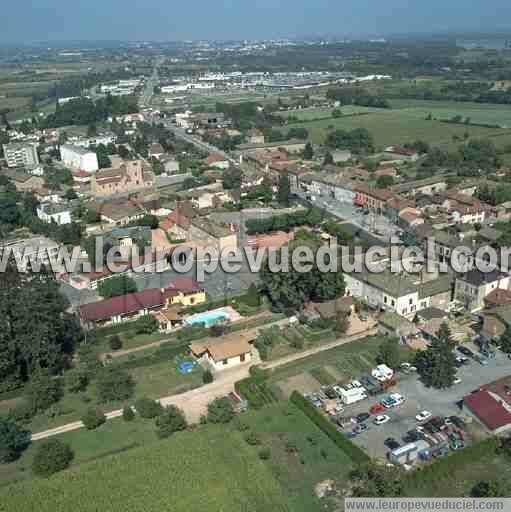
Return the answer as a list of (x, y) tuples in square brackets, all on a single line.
[(382, 419), (465, 351), (377, 409), (411, 436), (457, 421), (423, 416), (361, 427), (407, 367), (391, 443), (457, 380), (481, 359), (363, 416)]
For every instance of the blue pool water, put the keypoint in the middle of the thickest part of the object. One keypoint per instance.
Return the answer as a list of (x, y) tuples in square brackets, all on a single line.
[(208, 319)]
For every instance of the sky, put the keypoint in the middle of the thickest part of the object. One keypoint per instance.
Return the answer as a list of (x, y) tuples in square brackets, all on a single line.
[(170, 20)]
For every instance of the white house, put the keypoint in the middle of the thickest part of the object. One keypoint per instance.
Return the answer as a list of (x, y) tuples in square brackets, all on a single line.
[(224, 352), (472, 287), (49, 212), (78, 158)]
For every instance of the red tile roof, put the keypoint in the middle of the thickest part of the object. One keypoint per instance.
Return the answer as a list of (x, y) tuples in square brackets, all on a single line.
[(488, 409), (122, 305), (498, 297), (138, 301)]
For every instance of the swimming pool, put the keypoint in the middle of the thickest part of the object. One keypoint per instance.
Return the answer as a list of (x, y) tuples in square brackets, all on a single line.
[(208, 319)]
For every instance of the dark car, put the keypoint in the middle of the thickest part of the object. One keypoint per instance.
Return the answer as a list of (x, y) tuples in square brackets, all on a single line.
[(465, 351), (456, 420), (363, 416), (391, 443), (411, 436), (361, 427), (330, 393)]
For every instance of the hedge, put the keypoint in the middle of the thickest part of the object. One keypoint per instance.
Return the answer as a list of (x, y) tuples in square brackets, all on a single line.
[(355, 453)]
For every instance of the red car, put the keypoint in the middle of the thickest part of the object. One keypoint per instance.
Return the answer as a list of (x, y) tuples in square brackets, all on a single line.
[(377, 409)]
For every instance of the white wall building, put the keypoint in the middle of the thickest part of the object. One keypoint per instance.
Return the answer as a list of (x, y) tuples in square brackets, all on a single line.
[(49, 212), (78, 158), (20, 154)]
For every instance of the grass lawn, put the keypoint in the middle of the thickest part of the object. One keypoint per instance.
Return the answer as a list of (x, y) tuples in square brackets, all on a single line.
[(293, 339), (192, 471), (316, 457), (454, 478), (155, 380), (320, 113), (335, 365), (397, 127), (478, 112)]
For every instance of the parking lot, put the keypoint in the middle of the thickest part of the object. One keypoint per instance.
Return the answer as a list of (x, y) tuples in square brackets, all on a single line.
[(443, 403)]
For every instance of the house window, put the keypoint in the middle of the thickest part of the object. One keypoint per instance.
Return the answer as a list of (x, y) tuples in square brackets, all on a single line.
[(405, 311), (393, 302), (225, 362), (410, 301), (385, 300), (242, 358)]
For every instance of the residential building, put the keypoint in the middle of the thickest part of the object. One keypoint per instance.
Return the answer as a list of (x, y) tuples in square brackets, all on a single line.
[(291, 146), (156, 151), (217, 161), (170, 165), (402, 293), (465, 209), (131, 176), (31, 251), (371, 198), (496, 320), (401, 153), (50, 212), (491, 406), (78, 158), (24, 182), (226, 351), (204, 232), (183, 291), (20, 154), (427, 186), (472, 287), (120, 212), (255, 136)]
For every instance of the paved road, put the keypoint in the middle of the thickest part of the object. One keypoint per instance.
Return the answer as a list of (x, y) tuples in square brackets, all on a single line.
[(151, 82), (194, 403)]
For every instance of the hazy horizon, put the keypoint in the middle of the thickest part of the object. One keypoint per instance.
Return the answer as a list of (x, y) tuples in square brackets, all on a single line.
[(157, 20)]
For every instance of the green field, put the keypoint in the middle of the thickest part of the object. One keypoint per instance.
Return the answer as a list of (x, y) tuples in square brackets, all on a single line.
[(477, 112), (338, 364), (311, 114), (316, 458), (192, 471), (398, 127), (123, 466), (156, 378)]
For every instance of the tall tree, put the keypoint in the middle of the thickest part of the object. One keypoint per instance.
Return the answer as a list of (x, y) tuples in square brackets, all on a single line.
[(308, 152), (283, 190), (437, 364)]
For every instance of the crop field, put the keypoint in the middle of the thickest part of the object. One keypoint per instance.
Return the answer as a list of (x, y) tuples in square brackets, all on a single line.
[(192, 471), (398, 127), (477, 112)]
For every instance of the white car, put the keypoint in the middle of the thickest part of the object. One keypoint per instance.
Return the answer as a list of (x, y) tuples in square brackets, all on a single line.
[(423, 416), (380, 420), (398, 399), (457, 380)]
